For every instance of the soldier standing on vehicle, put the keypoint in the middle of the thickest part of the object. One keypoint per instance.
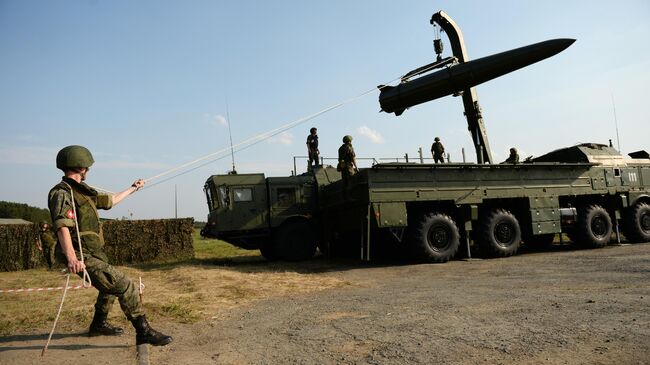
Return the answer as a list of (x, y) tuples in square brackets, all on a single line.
[(312, 149), (514, 156), (47, 243), (438, 151), (74, 204), (347, 163)]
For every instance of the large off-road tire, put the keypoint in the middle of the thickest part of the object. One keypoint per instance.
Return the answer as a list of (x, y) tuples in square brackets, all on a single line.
[(434, 237), (295, 241), (499, 234), (593, 227), (636, 223)]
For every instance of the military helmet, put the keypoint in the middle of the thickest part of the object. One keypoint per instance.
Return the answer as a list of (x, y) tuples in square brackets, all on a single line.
[(513, 150), (71, 157), (313, 129), (347, 139), (437, 139), (43, 223)]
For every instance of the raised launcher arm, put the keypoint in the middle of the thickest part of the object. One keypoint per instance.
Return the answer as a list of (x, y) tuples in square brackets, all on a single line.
[(459, 77), (470, 99)]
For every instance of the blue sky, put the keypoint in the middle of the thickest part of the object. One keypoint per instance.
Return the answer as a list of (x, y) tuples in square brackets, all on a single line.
[(144, 84)]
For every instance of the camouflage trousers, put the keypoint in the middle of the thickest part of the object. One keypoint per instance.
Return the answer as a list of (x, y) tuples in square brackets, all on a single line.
[(313, 160), (112, 284)]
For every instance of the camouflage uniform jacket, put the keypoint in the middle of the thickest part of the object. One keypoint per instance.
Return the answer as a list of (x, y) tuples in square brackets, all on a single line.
[(437, 148), (87, 200), (312, 143), (346, 156), (47, 239), (513, 158)]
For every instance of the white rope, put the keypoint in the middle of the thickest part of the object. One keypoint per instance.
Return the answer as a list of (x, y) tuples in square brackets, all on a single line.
[(86, 282), (264, 136), (49, 338), (273, 132), (86, 278)]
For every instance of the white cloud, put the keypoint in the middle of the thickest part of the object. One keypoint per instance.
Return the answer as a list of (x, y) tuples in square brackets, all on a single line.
[(27, 155), (284, 138), (371, 134), (219, 121), (44, 156)]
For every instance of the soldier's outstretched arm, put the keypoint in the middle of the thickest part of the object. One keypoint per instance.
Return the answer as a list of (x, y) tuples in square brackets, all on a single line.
[(132, 189)]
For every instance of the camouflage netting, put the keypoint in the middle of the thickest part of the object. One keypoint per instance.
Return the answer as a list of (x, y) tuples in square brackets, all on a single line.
[(130, 242), (127, 242), (18, 250)]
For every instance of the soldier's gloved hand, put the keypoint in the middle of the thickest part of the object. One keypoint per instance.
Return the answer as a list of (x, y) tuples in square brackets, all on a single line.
[(138, 184)]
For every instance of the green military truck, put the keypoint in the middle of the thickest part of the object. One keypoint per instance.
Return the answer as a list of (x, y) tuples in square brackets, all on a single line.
[(585, 191)]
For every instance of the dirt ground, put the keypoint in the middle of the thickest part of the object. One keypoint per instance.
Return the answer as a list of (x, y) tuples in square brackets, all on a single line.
[(559, 307)]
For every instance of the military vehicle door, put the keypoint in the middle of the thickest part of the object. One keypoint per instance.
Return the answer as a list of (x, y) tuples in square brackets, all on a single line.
[(244, 201), (289, 196)]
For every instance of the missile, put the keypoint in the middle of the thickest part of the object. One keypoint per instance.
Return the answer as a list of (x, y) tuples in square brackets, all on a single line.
[(455, 79)]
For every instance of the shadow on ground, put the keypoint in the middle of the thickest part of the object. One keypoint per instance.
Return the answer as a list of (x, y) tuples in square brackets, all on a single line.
[(322, 264)]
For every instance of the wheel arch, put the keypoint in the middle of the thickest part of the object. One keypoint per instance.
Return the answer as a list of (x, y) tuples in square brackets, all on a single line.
[(642, 198)]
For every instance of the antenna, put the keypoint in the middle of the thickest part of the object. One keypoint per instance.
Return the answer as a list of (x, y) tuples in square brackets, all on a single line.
[(618, 141), (232, 151)]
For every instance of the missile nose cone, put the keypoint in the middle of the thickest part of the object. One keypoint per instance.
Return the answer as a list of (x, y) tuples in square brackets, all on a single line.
[(563, 43)]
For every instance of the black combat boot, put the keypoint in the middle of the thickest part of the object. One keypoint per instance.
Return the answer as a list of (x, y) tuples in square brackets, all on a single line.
[(146, 334), (99, 327)]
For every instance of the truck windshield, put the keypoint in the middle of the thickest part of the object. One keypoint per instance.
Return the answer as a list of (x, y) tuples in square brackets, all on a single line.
[(222, 192), (208, 195)]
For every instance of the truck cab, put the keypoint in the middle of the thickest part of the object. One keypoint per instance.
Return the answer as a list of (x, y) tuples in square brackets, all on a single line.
[(272, 214)]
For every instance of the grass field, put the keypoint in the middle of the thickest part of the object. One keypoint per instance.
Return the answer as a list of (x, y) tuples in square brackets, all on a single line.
[(219, 277)]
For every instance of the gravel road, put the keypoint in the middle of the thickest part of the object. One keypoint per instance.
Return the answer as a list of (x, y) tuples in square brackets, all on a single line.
[(558, 307)]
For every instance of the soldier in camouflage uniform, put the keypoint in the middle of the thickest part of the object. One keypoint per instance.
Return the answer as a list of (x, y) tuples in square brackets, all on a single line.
[(514, 156), (347, 164), (47, 243), (312, 149), (438, 151), (110, 282)]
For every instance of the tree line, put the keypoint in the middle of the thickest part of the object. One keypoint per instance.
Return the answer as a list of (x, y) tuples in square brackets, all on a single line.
[(23, 211)]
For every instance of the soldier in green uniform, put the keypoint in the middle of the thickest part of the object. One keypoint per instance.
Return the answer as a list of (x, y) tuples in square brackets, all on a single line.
[(438, 151), (347, 164), (47, 243), (312, 149), (72, 203), (514, 156)]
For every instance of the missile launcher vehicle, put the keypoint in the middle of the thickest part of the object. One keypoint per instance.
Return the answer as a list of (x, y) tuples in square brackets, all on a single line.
[(587, 191)]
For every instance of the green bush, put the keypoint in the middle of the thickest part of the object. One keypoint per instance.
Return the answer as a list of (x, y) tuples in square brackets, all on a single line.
[(18, 249), (23, 211), (127, 242)]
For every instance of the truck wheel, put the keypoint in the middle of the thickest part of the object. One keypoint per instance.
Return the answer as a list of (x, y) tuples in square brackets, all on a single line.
[(636, 223), (295, 241), (435, 237), (500, 234), (593, 227)]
